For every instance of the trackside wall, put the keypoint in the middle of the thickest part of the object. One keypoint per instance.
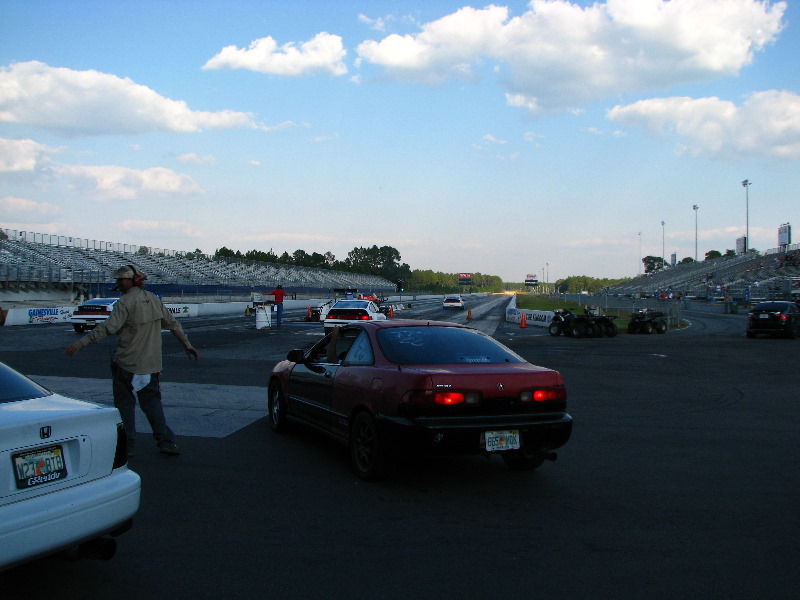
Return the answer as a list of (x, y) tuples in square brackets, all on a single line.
[(538, 318)]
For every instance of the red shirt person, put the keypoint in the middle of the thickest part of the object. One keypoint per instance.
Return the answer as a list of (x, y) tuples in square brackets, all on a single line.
[(278, 294)]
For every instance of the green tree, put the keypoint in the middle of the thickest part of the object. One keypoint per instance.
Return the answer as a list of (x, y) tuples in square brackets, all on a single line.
[(653, 263), (711, 254)]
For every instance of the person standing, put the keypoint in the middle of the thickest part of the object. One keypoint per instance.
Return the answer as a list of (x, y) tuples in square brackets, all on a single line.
[(138, 318), (279, 294)]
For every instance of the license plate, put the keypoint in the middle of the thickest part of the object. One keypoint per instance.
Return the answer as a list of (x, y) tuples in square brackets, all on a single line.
[(39, 466), (497, 441), (763, 316)]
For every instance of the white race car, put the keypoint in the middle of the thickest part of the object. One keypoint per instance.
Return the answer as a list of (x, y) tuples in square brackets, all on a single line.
[(351, 311), (65, 485), (453, 301), (91, 312)]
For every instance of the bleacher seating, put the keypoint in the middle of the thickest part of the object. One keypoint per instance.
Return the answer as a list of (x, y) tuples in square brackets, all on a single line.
[(24, 261), (738, 277)]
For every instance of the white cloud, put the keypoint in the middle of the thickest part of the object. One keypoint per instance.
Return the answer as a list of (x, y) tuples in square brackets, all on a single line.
[(323, 53), (23, 155), (69, 102), (193, 159), (169, 227), (489, 138), (24, 208), (113, 182), (377, 24), (766, 124), (559, 55)]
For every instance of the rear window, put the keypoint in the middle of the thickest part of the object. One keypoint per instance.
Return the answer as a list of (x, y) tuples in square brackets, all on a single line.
[(15, 387), (351, 304), (435, 345), (101, 301), (772, 306)]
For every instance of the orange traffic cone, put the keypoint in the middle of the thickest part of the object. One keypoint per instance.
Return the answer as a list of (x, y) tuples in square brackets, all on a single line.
[(308, 313), (469, 314), (523, 322), (391, 311)]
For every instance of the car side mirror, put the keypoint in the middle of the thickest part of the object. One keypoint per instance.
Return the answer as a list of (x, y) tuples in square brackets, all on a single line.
[(295, 356)]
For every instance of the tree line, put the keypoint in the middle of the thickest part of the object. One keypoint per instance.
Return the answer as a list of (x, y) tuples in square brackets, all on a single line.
[(383, 261)]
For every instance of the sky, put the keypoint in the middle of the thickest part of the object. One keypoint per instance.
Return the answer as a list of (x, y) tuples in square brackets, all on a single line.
[(551, 137)]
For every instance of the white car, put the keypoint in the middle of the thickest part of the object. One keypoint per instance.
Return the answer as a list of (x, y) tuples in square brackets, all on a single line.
[(351, 311), (453, 301), (65, 485), (91, 312)]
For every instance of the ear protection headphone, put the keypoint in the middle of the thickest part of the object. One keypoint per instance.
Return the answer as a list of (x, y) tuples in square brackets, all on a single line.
[(138, 279)]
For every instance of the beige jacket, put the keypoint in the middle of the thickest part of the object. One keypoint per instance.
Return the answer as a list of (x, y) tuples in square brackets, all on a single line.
[(137, 318)]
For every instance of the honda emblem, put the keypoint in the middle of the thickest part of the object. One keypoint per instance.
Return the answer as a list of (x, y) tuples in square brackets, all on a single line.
[(45, 432), (501, 387)]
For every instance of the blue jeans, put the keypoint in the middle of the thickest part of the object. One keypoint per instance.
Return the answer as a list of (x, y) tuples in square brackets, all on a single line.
[(279, 306), (149, 401)]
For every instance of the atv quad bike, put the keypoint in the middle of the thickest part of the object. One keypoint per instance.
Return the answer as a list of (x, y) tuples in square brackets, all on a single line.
[(647, 320), (586, 324)]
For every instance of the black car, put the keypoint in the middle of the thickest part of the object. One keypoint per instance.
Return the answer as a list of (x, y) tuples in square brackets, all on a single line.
[(774, 318)]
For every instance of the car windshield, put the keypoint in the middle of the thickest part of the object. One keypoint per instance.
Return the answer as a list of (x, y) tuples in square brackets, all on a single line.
[(15, 387), (437, 345)]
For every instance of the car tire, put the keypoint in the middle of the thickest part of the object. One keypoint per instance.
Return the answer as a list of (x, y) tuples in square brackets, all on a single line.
[(647, 328), (792, 332), (661, 327), (554, 329), (612, 330), (78, 328), (276, 408), (519, 460), (577, 330), (367, 454)]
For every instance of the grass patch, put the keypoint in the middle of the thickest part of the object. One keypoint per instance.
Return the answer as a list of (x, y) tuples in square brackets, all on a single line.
[(527, 302)]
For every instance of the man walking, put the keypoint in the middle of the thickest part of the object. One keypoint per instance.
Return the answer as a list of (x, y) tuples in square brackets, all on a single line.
[(138, 318)]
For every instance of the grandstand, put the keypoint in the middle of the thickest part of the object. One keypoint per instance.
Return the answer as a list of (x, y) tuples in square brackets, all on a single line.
[(42, 262), (745, 277)]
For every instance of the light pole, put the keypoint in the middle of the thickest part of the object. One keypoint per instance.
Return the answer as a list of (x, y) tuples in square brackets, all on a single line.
[(694, 208), (547, 279), (746, 184), (640, 253), (663, 258)]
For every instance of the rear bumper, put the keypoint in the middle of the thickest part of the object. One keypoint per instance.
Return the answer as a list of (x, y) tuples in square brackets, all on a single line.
[(542, 432), (52, 522)]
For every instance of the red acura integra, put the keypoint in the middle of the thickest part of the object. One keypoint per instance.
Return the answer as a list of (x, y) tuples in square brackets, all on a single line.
[(388, 388)]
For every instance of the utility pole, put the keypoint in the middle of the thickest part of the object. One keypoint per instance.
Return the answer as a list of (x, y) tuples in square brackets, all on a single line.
[(746, 184)]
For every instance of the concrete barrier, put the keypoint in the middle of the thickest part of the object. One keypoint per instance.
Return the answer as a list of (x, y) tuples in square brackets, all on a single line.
[(538, 318)]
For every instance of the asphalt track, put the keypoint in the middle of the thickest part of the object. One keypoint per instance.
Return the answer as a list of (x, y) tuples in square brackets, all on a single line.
[(680, 480)]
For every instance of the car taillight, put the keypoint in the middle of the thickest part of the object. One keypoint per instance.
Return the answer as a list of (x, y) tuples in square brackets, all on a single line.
[(447, 398), (121, 453), (544, 394), (784, 317)]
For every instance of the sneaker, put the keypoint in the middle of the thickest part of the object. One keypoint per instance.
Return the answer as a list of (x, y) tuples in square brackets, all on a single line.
[(168, 448)]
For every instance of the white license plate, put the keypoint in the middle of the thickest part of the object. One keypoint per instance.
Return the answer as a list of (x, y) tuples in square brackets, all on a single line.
[(39, 466), (498, 441), (763, 316)]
